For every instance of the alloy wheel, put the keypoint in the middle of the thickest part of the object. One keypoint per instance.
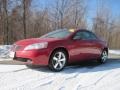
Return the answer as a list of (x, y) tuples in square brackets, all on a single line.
[(59, 60), (104, 56)]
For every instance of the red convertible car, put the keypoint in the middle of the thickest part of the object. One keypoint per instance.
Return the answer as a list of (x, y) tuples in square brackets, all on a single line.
[(58, 48)]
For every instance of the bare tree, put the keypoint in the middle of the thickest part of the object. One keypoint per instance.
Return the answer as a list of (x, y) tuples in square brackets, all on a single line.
[(19, 20), (79, 10), (59, 10), (4, 19), (105, 25), (68, 13), (26, 5)]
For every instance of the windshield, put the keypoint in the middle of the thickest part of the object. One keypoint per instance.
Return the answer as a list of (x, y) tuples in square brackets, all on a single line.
[(61, 33)]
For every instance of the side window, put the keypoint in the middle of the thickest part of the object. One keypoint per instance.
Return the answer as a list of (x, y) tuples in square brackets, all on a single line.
[(84, 35), (81, 35), (92, 36)]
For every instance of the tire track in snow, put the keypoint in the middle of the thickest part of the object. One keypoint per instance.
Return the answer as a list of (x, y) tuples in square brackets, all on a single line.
[(51, 80), (72, 77), (18, 84), (79, 87), (28, 84), (47, 83), (14, 71), (60, 80), (65, 82), (61, 88), (76, 79), (12, 68), (72, 80), (21, 69)]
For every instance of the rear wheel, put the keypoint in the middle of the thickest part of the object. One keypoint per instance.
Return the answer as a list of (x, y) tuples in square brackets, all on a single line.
[(58, 60), (104, 57)]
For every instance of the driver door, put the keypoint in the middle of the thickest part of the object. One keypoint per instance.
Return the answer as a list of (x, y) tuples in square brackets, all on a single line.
[(82, 47)]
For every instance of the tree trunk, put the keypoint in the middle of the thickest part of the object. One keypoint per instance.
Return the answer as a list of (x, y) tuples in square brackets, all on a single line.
[(24, 18), (5, 22)]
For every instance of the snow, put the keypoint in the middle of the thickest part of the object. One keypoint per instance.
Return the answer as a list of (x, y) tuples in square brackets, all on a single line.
[(79, 77), (4, 51), (87, 76), (117, 52), (10, 68)]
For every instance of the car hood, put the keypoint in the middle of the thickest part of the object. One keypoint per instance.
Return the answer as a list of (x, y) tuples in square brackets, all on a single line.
[(35, 40)]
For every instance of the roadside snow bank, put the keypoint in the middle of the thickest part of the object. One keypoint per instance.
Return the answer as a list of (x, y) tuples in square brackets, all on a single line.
[(117, 52), (4, 51)]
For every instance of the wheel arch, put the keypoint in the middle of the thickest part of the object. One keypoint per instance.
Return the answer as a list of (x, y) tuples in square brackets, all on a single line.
[(105, 48), (59, 48)]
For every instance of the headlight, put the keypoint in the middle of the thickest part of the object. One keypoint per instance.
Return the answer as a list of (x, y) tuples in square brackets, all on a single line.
[(37, 46)]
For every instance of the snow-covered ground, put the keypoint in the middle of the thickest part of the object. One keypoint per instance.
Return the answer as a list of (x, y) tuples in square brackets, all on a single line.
[(4, 51), (83, 77), (86, 76), (117, 52)]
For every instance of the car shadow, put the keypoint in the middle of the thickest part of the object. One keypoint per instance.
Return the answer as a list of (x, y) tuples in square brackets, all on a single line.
[(84, 67)]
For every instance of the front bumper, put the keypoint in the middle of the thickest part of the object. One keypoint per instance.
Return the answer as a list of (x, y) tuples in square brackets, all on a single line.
[(34, 57)]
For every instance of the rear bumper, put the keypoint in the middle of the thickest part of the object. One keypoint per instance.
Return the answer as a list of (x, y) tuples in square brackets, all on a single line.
[(34, 57)]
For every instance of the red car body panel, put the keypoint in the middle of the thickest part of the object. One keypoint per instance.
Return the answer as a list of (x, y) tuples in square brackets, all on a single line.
[(78, 50), (38, 57)]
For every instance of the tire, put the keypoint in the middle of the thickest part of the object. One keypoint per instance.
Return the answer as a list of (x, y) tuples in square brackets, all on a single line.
[(104, 57), (58, 60)]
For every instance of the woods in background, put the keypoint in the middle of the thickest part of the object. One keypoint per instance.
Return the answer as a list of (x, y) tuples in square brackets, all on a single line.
[(19, 19)]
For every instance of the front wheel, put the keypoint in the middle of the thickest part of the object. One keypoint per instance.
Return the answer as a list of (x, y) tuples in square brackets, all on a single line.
[(104, 57), (58, 60)]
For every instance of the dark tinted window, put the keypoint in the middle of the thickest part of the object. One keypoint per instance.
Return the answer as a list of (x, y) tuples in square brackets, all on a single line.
[(84, 35), (92, 35)]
